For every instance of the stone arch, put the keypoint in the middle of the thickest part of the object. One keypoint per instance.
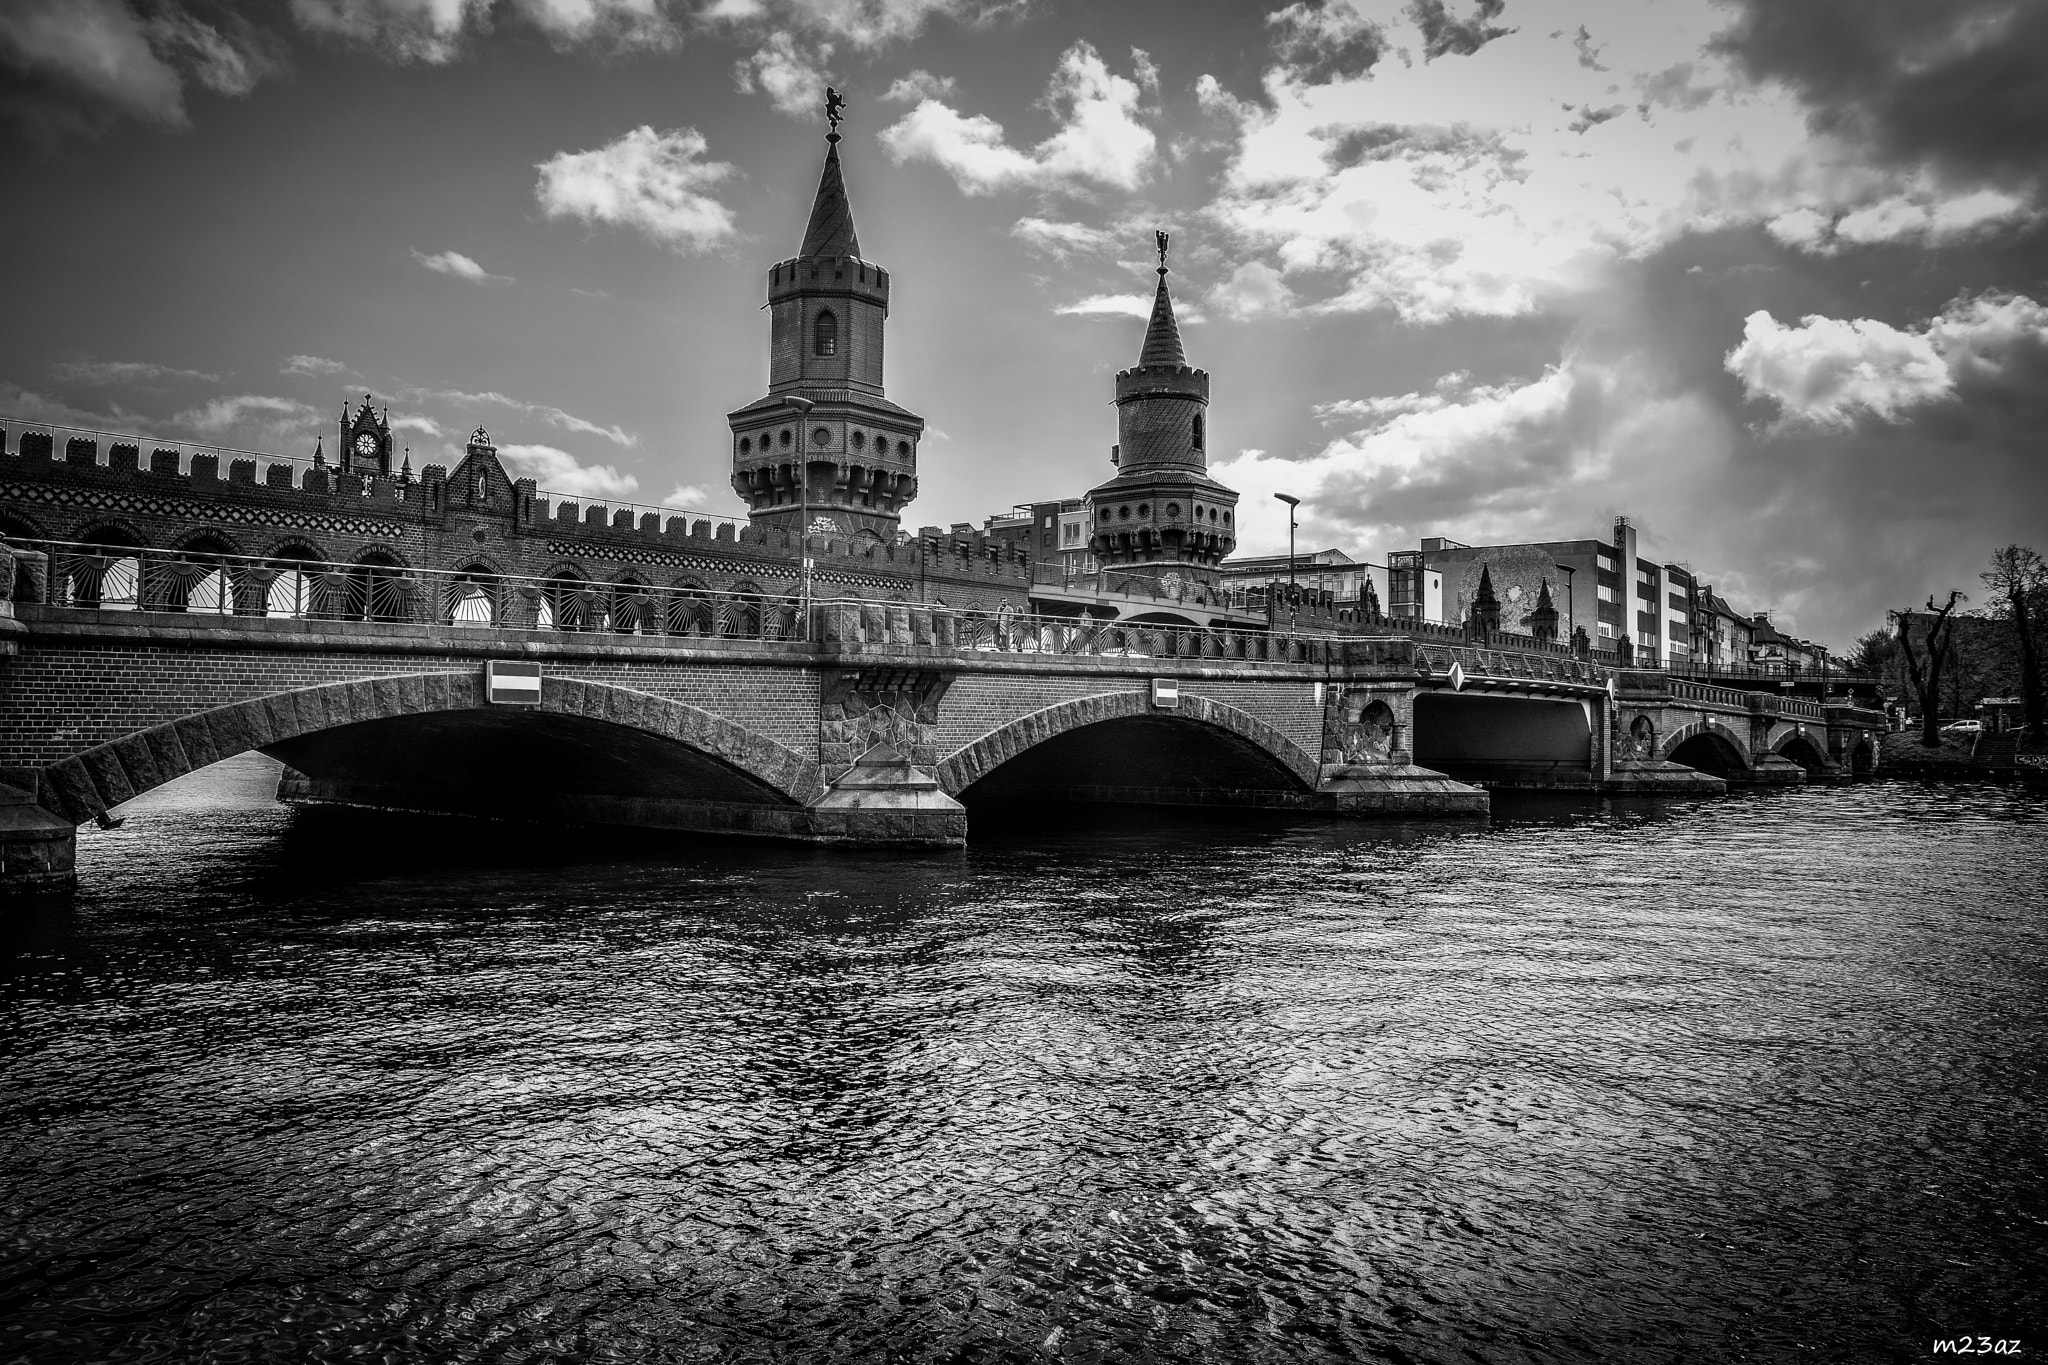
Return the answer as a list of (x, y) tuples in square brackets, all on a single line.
[(1790, 744), (82, 786), (298, 548), (1863, 757), (112, 531), (18, 525), (393, 557), (970, 764), (1707, 725)]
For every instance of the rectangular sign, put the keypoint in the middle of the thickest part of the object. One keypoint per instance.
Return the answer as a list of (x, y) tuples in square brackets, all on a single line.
[(511, 682), (1166, 694)]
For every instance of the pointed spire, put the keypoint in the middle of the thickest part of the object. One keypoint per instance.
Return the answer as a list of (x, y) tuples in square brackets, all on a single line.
[(1543, 602), (1162, 334), (319, 453), (831, 231), (1485, 593)]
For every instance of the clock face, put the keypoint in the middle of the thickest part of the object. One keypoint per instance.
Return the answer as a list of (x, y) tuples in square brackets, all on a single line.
[(366, 444)]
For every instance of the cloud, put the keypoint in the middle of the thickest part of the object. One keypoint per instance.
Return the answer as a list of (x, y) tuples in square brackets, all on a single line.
[(460, 266), (1444, 34), (1060, 239), (313, 365), (618, 25), (124, 372), (1958, 85), (687, 495), (1828, 371), (1499, 183), (557, 471), (425, 426), (918, 86), (793, 80), (552, 415), (430, 31), (1137, 306), (652, 182), (864, 23), (75, 66), (1253, 289), (257, 416), (1099, 138), (1315, 41)]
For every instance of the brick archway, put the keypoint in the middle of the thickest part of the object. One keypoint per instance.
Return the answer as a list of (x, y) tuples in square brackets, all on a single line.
[(969, 765), (1707, 726), (85, 784), (1791, 737)]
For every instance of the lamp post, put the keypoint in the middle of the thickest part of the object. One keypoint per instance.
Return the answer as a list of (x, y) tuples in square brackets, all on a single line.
[(1292, 503), (802, 408)]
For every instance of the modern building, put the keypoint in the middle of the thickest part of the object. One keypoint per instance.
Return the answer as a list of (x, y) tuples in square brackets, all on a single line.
[(1056, 533), (1330, 571)]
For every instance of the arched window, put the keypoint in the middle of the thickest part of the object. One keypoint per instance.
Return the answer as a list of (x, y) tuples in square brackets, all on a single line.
[(825, 334), (1199, 423)]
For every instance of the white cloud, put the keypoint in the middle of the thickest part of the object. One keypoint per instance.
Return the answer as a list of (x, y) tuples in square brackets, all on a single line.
[(1492, 183), (124, 372), (609, 23), (920, 85), (425, 426), (793, 80), (248, 412), (1099, 139), (557, 471), (460, 266), (655, 183), (1060, 239), (1137, 306), (554, 416), (688, 495), (1828, 371), (1254, 288), (402, 30), (864, 23), (313, 365)]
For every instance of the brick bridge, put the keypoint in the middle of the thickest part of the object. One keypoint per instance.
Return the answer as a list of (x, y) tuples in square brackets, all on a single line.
[(873, 722)]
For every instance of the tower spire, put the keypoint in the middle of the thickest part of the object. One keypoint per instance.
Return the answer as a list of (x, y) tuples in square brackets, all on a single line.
[(1162, 334), (831, 228)]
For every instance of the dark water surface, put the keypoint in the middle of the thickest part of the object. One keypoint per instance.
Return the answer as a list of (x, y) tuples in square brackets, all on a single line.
[(1753, 1079)]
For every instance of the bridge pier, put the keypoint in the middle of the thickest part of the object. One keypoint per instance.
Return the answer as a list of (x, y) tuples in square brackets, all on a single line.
[(38, 850)]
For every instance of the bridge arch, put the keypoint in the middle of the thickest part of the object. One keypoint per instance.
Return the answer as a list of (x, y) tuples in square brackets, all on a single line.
[(1802, 749), (975, 761), (85, 784), (1711, 747)]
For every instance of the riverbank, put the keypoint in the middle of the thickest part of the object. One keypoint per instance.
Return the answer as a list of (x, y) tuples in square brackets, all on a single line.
[(1961, 756)]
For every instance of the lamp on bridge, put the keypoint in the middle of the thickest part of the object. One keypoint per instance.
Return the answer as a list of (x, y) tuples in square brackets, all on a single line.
[(1292, 503), (802, 408)]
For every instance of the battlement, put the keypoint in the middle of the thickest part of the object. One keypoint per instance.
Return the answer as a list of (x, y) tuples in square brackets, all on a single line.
[(837, 274)]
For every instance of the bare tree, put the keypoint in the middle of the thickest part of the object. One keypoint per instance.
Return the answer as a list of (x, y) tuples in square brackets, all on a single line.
[(1925, 673), (2019, 577)]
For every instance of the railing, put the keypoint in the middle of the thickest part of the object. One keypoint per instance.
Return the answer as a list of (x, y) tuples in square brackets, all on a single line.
[(1488, 661), (1136, 586), (270, 470), (1683, 689)]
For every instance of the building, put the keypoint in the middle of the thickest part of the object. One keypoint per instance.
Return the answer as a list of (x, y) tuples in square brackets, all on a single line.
[(1161, 517), (1330, 572), (1056, 533), (825, 452)]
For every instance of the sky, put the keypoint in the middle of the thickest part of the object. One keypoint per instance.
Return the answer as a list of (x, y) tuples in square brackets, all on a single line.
[(1768, 277)]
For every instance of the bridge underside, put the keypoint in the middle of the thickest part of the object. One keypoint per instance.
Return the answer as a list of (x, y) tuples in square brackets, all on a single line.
[(1497, 741), (517, 765), (1142, 760)]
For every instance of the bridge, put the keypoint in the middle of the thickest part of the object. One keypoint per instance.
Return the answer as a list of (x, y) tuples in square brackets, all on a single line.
[(874, 721)]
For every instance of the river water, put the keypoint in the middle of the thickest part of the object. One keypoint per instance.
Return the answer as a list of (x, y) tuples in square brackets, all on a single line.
[(1753, 1079)]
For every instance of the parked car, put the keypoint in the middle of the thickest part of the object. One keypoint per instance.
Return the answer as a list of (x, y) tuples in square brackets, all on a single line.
[(1962, 727)]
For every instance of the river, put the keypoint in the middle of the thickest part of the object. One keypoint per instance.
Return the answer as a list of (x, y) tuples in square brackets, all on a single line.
[(1750, 1079)]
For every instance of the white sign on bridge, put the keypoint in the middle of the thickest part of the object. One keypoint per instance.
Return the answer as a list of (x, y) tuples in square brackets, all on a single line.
[(511, 682)]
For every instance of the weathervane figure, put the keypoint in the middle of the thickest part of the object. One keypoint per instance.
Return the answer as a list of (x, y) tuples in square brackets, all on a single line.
[(835, 109), (1159, 236)]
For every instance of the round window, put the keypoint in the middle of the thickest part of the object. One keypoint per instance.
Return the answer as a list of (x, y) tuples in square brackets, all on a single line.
[(821, 437), (1173, 511), (1226, 518), (1123, 513), (1144, 510), (785, 438), (745, 445), (903, 449), (858, 440)]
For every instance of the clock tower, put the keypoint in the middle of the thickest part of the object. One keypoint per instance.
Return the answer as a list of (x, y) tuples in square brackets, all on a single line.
[(366, 440)]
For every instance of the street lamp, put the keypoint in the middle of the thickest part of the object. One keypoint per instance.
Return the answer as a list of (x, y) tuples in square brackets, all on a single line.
[(1292, 503), (802, 408)]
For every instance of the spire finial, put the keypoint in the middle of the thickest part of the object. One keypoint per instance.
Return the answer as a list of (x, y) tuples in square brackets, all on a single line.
[(1159, 236), (835, 112), (1162, 334)]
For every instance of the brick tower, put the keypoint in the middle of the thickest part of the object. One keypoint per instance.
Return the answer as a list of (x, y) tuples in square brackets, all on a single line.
[(857, 450), (1162, 516)]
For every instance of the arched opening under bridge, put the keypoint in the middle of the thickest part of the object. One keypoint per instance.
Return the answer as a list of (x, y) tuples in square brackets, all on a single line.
[(1712, 751), (1504, 741)]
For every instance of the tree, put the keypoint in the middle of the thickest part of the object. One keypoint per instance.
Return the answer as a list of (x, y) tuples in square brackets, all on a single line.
[(1925, 673), (2018, 579), (1872, 654)]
